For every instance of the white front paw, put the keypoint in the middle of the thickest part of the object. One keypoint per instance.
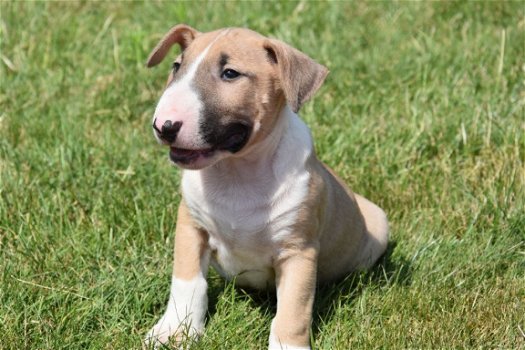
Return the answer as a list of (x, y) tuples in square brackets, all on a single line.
[(168, 328), (160, 333), (184, 316)]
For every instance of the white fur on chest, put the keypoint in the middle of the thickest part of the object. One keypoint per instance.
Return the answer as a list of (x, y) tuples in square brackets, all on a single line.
[(247, 206)]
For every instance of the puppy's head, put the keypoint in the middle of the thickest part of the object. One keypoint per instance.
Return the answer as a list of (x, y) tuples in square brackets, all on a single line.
[(225, 92)]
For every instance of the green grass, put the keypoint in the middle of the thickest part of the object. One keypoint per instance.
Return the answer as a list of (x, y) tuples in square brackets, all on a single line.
[(423, 113)]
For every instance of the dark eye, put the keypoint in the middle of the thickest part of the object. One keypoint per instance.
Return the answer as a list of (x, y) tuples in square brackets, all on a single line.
[(176, 66), (229, 74)]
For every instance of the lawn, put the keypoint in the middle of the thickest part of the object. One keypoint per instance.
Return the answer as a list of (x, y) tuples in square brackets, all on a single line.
[(423, 112)]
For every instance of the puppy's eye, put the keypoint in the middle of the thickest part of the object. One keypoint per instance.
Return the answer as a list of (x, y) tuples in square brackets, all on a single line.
[(176, 66), (230, 74)]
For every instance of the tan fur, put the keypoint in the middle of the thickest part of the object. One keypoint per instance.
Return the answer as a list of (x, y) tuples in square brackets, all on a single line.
[(334, 235), (247, 101), (191, 245), (300, 76), (296, 280), (349, 228)]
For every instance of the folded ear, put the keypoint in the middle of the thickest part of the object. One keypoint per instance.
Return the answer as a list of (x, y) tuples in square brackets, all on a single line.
[(300, 75), (180, 34)]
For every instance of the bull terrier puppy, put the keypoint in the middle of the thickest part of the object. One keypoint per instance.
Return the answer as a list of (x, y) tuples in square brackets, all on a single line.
[(257, 204)]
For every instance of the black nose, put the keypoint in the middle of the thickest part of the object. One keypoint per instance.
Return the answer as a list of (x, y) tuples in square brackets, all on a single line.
[(169, 130)]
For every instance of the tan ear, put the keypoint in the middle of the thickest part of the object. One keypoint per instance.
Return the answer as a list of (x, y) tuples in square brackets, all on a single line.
[(180, 34), (300, 75)]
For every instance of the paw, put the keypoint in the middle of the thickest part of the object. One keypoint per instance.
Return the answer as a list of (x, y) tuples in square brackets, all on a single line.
[(166, 330), (184, 318), (280, 346), (160, 334)]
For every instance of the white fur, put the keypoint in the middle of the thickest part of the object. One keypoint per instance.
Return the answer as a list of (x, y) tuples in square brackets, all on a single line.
[(275, 344), (186, 310), (248, 204), (181, 103)]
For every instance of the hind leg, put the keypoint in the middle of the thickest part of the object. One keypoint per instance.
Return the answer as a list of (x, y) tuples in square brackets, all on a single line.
[(377, 228)]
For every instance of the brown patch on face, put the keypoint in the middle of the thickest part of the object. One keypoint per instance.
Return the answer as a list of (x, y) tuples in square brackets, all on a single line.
[(253, 99), (189, 54)]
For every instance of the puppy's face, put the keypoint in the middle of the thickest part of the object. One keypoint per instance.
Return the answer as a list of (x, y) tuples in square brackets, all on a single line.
[(224, 93)]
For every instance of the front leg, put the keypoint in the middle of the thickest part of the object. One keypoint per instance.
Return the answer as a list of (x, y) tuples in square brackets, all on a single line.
[(188, 300), (296, 276)]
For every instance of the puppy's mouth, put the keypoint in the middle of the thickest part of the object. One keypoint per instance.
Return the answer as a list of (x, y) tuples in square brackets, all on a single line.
[(188, 156)]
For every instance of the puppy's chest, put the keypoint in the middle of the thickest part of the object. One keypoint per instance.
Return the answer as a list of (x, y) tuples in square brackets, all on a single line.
[(245, 223), (243, 216)]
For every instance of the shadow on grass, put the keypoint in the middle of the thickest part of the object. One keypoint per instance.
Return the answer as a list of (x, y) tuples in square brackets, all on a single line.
[(265, 300), (391, 269)]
